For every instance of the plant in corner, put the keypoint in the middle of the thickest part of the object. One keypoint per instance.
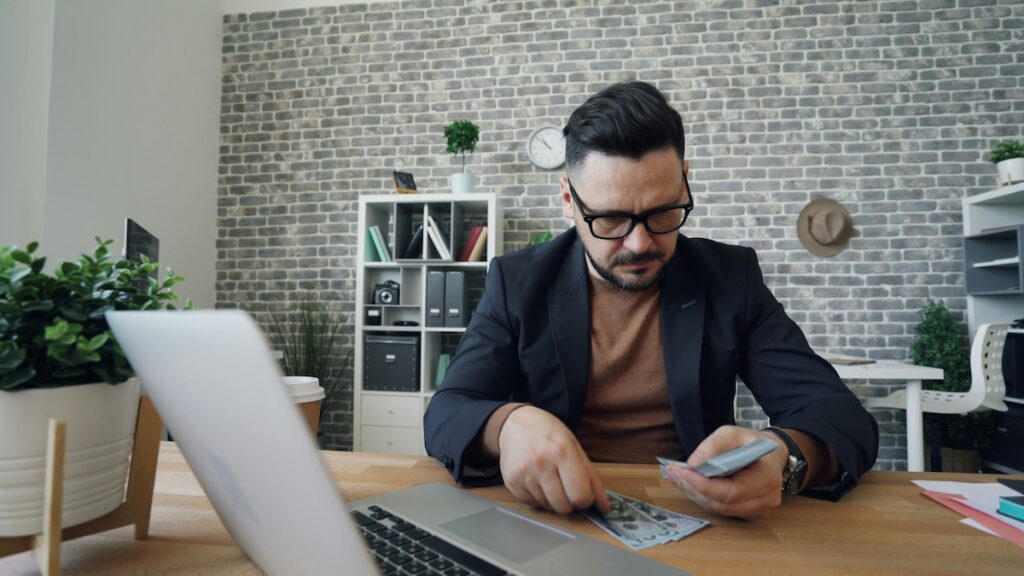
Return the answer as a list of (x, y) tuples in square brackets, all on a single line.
[(462, 136), (938, 343), (58, 359), (308, 345), (1008, 156)]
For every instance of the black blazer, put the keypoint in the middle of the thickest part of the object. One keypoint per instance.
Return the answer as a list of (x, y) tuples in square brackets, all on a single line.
[(529, 341)]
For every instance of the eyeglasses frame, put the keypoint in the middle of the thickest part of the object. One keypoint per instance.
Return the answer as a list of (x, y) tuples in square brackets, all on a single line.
[(687, 207)]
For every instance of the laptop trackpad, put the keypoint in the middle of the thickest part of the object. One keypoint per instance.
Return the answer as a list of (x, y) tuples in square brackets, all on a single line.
[(514, 538)]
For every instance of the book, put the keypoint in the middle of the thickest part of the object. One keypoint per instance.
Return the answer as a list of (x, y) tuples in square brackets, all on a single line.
[(380, 243), (404, 183), (440, 239), (414, 251), (442, 232), (479, 247), (467, 247), (1013, 484), (1012, 506), (442, 367), (371, 255)]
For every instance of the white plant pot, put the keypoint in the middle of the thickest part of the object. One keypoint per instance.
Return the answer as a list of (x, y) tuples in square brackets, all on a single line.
[(462, 183), (1011, 171), (100, 429)]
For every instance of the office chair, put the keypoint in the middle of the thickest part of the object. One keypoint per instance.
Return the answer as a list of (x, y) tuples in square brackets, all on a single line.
[(987, 386)]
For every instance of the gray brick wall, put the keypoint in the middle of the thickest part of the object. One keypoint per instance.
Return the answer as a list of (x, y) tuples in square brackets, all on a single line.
[(886, 106)]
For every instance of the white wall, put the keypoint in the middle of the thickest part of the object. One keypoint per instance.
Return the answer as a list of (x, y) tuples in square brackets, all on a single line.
[(133, 131), (26, 53)]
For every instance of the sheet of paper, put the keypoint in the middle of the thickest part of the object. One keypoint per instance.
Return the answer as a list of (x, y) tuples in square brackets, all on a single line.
[(975, 524), (981, 496)]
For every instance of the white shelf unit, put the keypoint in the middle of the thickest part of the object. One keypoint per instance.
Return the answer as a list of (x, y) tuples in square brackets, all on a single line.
[(993, 230), (390, 421)]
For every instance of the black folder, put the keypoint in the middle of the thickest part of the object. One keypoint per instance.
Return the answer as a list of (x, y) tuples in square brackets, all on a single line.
[(455, 299)]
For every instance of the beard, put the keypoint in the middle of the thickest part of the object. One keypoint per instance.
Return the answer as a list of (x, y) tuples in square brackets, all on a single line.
[(631, 283)]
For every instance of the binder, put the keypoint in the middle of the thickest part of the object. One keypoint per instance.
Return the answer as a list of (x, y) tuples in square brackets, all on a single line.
[(435, 298), (455, 299)]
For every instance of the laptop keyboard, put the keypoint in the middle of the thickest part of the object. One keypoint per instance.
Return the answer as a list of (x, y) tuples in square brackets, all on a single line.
[(401, 548)]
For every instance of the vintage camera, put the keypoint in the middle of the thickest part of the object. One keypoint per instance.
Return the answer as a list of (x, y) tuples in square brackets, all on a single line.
[(386, 292)]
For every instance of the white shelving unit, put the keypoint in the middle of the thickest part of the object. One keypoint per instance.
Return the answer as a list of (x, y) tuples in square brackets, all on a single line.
[(391, 421), (993, 235)]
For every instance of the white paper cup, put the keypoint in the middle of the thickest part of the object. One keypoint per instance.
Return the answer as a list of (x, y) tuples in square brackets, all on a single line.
[(307, 393)]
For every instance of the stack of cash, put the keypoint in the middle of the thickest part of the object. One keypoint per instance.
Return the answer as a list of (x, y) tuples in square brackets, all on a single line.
[(640, 525)]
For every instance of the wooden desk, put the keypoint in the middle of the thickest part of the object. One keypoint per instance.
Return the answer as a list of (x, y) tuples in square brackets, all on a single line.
[(883, 527)]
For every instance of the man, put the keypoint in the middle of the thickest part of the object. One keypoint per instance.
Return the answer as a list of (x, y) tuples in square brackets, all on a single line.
[(621, 340)]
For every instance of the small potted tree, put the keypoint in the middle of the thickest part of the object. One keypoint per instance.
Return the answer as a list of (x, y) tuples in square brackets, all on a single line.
[(58, 359), (308, 341), (938, 343), (462, 136), (1008, 156)]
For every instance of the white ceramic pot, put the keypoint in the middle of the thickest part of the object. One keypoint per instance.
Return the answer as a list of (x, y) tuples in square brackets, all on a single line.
[(100, 428), (462, 183), (1011, 171)]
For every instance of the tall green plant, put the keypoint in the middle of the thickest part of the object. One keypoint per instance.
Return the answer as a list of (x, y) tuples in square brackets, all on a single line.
[(308, 344), (938, 343), (462, 137), (52, 326)]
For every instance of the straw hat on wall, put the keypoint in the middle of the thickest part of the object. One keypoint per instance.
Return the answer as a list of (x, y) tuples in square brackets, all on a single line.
[(824, 227)]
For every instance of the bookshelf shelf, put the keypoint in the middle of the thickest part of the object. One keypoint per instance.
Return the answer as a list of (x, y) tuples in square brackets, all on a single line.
[(388, 420)]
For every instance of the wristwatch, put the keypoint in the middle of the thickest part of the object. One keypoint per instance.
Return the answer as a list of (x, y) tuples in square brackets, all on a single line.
[(796, 466)]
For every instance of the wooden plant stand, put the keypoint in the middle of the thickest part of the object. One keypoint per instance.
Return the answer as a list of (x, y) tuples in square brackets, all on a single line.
[(134, 510)]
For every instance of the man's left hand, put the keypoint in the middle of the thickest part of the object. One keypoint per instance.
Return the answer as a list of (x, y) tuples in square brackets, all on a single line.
[(752, 492)]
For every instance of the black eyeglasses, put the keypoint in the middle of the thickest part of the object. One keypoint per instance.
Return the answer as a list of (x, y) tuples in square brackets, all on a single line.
[(615, 225)]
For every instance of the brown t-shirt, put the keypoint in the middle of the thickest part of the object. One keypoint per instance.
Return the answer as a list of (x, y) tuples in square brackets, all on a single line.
[(626, 415)]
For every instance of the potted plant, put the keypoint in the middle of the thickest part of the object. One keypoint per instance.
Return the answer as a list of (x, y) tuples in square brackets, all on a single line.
[(1008, 156), (58, 359), (308, 346), (938, 343), (462, 137)]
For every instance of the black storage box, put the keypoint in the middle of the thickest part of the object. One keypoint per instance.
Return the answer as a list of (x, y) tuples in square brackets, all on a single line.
[(391, 363)]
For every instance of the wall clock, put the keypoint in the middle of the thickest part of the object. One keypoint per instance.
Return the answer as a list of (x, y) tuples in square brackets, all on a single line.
[(546, 147)]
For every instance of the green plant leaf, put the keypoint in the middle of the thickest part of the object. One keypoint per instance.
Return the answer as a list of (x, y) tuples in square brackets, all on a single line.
[(53, 331), (57, 331), (96, 342), (13, 381)]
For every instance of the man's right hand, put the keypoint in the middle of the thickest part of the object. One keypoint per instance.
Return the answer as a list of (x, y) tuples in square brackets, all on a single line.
[(544, 465)]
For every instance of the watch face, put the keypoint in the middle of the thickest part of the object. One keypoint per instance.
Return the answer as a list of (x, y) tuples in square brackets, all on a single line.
[(546, 148)]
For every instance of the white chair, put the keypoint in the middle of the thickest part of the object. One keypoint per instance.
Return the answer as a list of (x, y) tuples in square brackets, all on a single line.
[(987, 385)]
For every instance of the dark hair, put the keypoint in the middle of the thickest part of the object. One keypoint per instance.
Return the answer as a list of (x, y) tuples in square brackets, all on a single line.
[(625, 119)]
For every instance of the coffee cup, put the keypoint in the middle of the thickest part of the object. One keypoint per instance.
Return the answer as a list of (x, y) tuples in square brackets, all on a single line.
[(307, 393)]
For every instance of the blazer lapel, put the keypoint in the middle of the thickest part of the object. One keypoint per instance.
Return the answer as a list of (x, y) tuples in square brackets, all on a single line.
[(569, 314), (682, 333)]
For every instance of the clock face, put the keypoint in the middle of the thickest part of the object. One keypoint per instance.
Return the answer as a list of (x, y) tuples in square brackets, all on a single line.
[(546, 147)]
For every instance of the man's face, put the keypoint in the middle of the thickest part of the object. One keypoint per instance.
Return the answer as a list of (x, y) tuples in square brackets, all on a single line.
[(607, 184)]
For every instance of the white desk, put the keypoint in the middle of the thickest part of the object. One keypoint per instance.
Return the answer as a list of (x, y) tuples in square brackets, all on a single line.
[(912, 376)]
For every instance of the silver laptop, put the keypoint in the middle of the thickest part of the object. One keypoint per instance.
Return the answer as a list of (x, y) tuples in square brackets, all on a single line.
[(213, 380)]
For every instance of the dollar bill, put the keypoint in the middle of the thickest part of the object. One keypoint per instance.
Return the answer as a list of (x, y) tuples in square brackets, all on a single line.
[(683, 525), (728, 463), (640, 525)]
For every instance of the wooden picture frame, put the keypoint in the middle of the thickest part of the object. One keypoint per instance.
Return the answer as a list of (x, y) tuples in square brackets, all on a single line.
[(404, 182)]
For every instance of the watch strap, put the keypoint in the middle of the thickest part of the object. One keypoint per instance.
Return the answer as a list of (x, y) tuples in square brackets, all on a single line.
[(796, 467)]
